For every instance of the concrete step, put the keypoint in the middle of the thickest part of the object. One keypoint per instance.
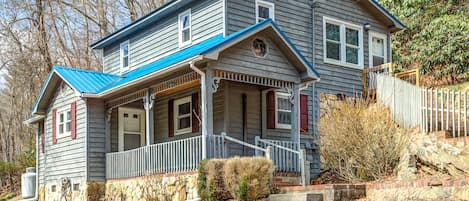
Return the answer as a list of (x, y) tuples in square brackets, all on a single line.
[(296, 197)]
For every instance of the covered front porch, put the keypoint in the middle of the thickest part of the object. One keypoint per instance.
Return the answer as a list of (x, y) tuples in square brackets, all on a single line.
[(172, 124)]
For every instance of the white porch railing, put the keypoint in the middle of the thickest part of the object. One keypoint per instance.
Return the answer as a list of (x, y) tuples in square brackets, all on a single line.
[(175, 156), (285, 154)]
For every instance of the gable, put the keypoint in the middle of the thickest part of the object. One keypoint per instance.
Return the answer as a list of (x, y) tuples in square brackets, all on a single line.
[(275, 64)]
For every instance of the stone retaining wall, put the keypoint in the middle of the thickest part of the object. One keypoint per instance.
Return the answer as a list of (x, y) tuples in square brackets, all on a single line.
[(164, 187), (421, 190)]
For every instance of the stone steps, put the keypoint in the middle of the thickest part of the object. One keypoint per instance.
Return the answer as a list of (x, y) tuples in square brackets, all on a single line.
[(296, 197)]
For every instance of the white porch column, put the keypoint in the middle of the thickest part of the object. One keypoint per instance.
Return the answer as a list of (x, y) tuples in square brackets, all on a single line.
[(148, 105), (207, 111), (295, 115)]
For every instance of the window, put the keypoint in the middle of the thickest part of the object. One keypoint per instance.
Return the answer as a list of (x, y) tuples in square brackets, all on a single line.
[(53, 188), (185, 32), (182, 115), (343, 43), (63, 123), (283, 110), (124, 56), (264, 10), (76, 187), (378, 49)]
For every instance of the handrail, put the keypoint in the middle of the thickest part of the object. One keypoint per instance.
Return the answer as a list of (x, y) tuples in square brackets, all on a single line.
[(243, 143), (278, 146)]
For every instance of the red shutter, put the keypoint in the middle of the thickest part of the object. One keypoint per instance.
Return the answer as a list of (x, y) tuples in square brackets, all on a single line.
[(73, 119), (270, 109), (43, 138), (195, 113), (54, 126), (171, 118), (303, 113)]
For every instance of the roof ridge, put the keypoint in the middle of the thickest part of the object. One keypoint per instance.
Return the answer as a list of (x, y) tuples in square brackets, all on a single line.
[(83, 70)]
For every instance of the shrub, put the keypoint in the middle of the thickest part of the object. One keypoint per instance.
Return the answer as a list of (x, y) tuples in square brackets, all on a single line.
[(236, 178), (95, 191), (359, 142)]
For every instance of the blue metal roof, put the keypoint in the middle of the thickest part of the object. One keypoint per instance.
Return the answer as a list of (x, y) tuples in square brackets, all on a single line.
[(92, 82)]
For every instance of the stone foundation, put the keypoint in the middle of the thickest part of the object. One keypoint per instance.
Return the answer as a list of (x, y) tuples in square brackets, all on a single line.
[(421, 190), (46, 193), (164, 187)]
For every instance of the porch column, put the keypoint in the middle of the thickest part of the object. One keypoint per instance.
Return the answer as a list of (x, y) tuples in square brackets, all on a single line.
[(148, 105), (206, 111), (295, 115)]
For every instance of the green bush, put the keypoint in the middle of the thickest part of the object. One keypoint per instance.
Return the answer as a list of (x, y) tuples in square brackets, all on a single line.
[(243, 179)]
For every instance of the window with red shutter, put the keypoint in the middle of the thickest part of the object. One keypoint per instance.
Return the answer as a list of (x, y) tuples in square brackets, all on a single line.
[(303, 113)]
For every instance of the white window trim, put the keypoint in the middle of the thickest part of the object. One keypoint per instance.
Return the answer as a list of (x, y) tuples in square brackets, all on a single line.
[(277, 124), (121, 57), (271, 7), (64, 111), (120, 123), (370, 47), (176, 103), (343, 25), (186, 43)]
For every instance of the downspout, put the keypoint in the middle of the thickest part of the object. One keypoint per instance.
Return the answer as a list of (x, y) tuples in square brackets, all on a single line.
[(203, 103)]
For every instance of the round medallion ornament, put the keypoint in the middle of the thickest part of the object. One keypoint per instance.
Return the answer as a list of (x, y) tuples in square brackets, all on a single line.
[(259, 47)]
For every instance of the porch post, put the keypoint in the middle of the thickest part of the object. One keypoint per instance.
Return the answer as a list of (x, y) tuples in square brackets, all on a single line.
[(295, 115), (207, 110), (148, 105)]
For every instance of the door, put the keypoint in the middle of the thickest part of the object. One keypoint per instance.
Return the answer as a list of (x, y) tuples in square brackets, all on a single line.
[(131, 128), (378, 49)]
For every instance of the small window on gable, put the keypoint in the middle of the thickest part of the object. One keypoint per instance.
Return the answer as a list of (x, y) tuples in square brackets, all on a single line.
[(63, 123), (185, 28), (259, 47), (283, 110), (264, 10), (343, 43), (183, 115), (124, 56)]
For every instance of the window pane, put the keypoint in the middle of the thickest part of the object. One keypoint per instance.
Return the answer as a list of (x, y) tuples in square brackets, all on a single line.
[(125, 61), (61, 118), (186, 21), (186, 35), (61, 128), (378, 46), (284, 117), (68, 116), (333, 50), (125, 49), (378, 60), (284, 104), (332, 32), (184, 109), (352, 55), (264, 12), (352, 36), (67, 127), (184, 123)]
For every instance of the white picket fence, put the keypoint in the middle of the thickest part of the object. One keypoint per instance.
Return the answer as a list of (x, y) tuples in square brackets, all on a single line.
[(431, 109)]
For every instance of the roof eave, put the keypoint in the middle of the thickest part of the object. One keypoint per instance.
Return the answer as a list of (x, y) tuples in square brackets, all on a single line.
[(398, 25)]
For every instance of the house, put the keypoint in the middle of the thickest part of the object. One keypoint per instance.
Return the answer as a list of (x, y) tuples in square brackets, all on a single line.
[(202, 79)]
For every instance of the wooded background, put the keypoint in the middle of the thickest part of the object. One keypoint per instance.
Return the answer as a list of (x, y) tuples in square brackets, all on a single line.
[(37, 34)]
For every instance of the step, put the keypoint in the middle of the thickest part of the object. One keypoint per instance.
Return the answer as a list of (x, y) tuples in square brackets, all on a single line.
[(296, 197)]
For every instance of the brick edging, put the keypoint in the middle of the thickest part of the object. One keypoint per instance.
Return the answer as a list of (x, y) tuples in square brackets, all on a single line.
[(418, 183)]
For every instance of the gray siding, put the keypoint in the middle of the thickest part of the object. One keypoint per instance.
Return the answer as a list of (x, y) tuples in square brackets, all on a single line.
[(96, 141), (334, 78), (240, 58), (161, 39), (67, 158), (41, 162), (293, 17)]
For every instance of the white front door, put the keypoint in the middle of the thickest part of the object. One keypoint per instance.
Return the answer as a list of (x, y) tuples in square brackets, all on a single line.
[(131, 128), (378, 49)]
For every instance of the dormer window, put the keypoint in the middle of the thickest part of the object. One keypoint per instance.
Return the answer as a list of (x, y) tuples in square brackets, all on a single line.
[(185, 26), (264, 10), (124, 51)]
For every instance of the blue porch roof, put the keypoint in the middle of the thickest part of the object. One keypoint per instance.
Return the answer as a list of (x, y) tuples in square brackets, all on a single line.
[(93, 82)]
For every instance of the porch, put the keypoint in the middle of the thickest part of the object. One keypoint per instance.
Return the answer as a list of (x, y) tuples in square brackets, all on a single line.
[(168, 131)]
